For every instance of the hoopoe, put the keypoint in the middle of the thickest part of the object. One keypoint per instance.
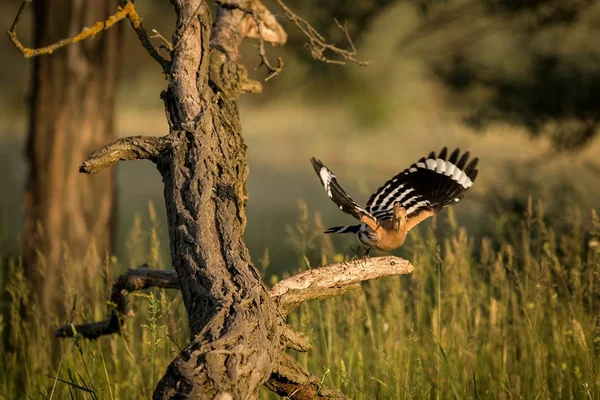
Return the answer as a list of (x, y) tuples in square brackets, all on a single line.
[(410, 197)]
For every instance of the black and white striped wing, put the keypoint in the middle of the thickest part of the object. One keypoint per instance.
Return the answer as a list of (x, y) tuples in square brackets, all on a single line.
[(344, 229), (429, 185), (339, 195)]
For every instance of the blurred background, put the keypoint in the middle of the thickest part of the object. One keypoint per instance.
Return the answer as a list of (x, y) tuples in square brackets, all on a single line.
[(514, 82)]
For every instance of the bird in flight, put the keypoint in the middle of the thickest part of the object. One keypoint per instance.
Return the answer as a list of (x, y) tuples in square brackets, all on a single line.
[(415, 194)]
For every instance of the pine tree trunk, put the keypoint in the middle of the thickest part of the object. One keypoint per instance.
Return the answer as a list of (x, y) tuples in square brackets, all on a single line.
[(68, 218)]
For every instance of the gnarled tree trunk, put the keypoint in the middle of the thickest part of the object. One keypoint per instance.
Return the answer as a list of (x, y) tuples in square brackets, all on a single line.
[(234, 323), (239, 336), (66, 215)]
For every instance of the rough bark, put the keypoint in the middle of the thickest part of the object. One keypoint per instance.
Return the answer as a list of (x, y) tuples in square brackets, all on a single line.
[(235, 334), (73, 92), (334, 280), (291, 380)]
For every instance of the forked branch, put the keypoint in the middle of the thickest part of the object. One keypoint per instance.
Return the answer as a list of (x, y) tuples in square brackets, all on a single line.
[(335, 279), (129, 148), (126, 10), (318, 45)]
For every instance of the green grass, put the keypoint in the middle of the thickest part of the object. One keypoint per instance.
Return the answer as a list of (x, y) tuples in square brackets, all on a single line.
[(477, 319)]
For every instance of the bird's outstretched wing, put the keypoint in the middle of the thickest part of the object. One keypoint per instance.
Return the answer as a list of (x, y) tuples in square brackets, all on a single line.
[(425, 187), (344, 229), (340, 197)]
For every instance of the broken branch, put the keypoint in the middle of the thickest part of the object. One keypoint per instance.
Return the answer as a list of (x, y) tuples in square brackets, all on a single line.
[(334, 280), (129, 148), (131, 281), (252, 19), (292, 381), (257, 23)]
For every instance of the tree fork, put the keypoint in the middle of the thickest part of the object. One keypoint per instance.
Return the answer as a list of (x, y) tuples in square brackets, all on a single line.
[(315, 284)]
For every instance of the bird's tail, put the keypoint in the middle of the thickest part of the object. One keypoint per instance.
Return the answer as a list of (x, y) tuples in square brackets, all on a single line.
[(344, 229)]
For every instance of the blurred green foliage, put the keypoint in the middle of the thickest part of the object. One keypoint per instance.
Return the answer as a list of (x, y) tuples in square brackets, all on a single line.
[(503, 304), (525, 63)]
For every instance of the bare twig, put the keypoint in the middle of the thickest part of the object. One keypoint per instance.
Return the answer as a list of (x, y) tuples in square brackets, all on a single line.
[(126, 10), (271, 71), (131, 281), (265, 26), (260, 24), (165, 43), (318, 45), (129, 148)]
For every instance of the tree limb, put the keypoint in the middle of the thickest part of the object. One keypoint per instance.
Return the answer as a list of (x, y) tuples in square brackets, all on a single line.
[(136, 24), (126, 10), (259, 23), (319, 283), (86, 32), (129, 148), (295, 341), (131, 281), (289, 378), (334, 280)]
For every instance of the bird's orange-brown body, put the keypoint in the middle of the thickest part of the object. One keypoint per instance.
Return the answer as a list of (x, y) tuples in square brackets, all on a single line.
[(391, 233)]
